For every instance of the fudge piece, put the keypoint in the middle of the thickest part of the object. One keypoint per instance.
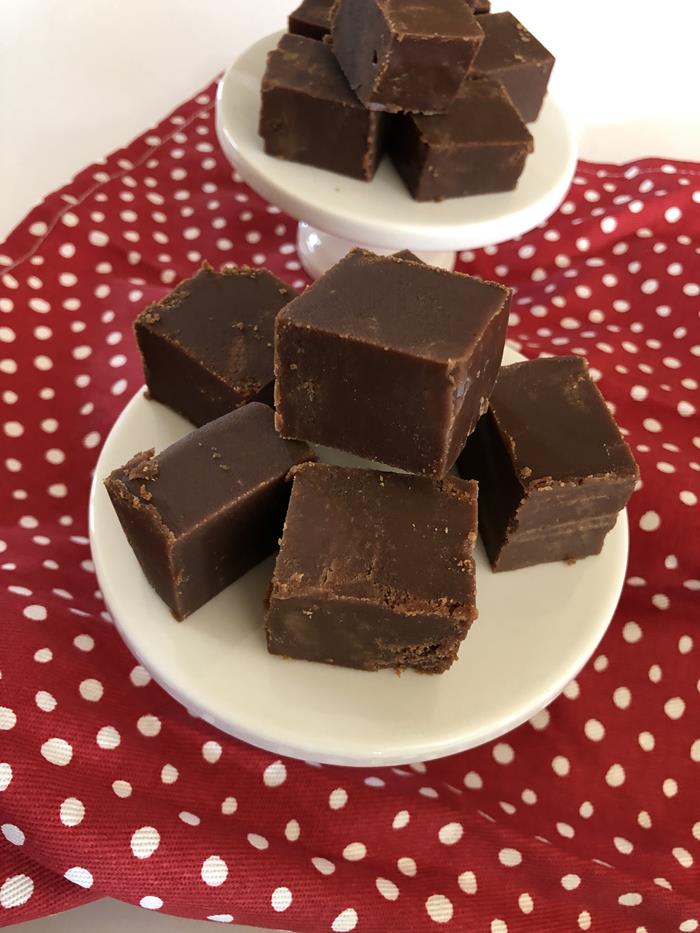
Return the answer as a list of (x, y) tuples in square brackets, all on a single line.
[(478, 147), (207, 346), (390, 359), (513, 55), (309, 113), (203, 512), (480, 6), (312, 18), (394, 591), (552, 466), (405, 54)]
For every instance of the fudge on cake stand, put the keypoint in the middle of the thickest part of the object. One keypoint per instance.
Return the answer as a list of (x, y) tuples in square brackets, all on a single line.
[(337, 212)]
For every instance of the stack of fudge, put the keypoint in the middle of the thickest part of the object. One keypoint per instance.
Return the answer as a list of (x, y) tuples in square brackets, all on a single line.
[(443, 86), (393, 360)]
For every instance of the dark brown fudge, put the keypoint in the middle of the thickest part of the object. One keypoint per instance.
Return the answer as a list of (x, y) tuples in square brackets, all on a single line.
[(375, 570), (514, 56), (312, 18), (405, 54), (390, 359), (478, 147), (203, 512), (552, 466), (309, 113), (480, 6), (207, 347)]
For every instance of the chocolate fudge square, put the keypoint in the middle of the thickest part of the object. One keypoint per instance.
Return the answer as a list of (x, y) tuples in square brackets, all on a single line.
[(515, 57), (478, 147), (207, 347), (552, 466), (309, 113), (312, 18), (405, 54), (210, 507), (394, 590), (390, 359)]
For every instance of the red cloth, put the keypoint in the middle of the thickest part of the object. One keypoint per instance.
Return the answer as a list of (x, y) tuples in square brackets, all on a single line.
[(586, 817)]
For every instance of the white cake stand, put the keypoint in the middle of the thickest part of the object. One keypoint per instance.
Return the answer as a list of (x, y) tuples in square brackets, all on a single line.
[(337, 213)]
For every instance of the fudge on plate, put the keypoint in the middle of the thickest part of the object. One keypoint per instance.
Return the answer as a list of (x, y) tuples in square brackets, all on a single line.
[(390, 359), (405, 54), (552, 466), (207, 347), (210, 507), (478, 147), (375, 570), (309, 113)]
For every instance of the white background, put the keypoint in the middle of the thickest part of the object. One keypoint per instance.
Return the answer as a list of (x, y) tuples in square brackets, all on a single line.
[(80, 78)]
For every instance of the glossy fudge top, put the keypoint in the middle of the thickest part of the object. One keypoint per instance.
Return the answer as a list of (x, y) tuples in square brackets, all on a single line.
[(482, 113), (224, 319), (426, 18), (413, 555), (309, 66), (400, 305), (556, 424), (507, 43), (220, 462)]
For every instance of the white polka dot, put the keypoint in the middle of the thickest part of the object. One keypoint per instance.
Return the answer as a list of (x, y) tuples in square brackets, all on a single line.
[(220, 918), (584, 920), (499, 926), (673, 214), (355, 851), (13, 429), (646, 741), (139, 676), (122, 789), (322, 865), (565, 830), (503, 753), (275, 774), (643, 819), (685, 644), (5, 775), (473, 781), (229, 806), (467, 882), (428, 792), (387, 889), (622, 697), (689, 926), (281, 899), (144, 842), (149, 725), (345, 921), (15, 891), (91, 690), (13, 834), (687, 497), (108, 738), (595, 730), (670, 787), (615, 776), (211, 752), (631, 632), (439, 908), (674, 708), (561, 765), (570, 882), (338, 798), (632, 899), (450, 833), (8, 718), (151, 902), (292, 831), (84, 642), (169, 774), (685, 409), (257, 841), (655, 674), (57, 752), (214, 871), (43, 655), (509, 857), (401, 819), (407, 866), (623, 846), (682, 856), (72, 811), (540, 720), (80, 876)]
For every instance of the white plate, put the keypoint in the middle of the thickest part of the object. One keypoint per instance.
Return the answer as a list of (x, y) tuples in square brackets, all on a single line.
[(536, 629), (382, 213)]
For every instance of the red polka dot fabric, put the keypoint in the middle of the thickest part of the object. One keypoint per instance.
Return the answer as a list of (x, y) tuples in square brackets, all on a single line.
[(586, 817)]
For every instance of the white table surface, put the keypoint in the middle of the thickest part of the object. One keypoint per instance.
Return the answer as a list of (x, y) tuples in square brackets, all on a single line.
[(80, 78)]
